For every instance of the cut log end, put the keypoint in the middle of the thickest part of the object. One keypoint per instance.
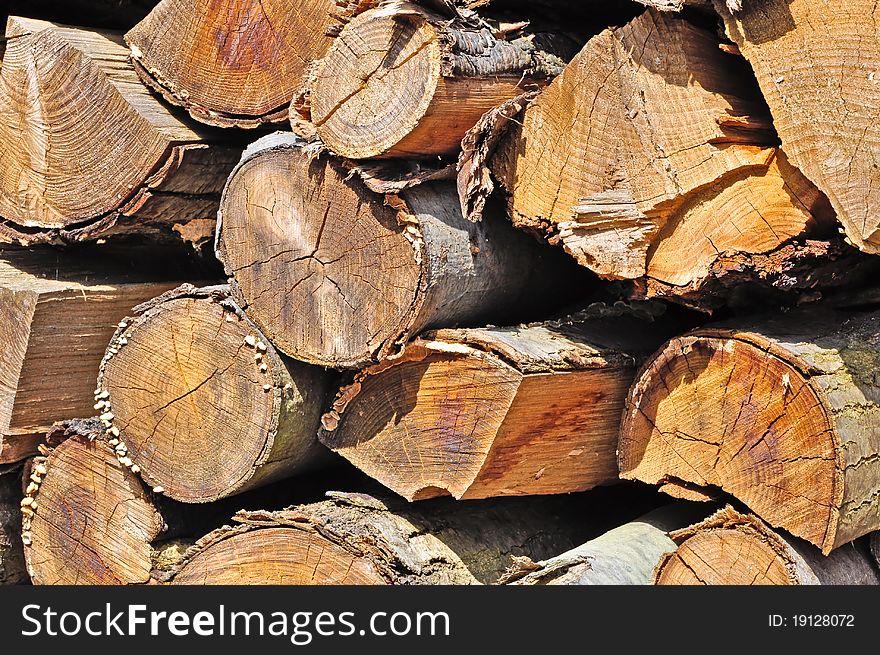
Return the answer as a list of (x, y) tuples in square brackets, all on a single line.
[(768, 440), (280, 555), (230, 65), (383, 89), (205, 406), (94, 521), (321, 265)]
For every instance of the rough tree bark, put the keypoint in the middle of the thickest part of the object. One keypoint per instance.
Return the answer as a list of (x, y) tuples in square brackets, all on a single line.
[(627, 554), (360, 539), (630, 158), (12, 568), (782, 413), (494, 411), (202, 403), (732, 548), (57, 312), (86, 150), (816, 64), (231, 64), (403, 81), (338, 275)]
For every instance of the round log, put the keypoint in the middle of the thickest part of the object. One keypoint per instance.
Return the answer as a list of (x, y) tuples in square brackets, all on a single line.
[(338, 275), (404, 82), (230, 64), (732, 548), (782, 413), (203, 404)]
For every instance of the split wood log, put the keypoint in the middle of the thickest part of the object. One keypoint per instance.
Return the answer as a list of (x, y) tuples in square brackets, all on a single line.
[(732, 548), (202, 403), (337, 275), (652, 154), (494, 411), (360, 539), (12, 568), (87, 151), (825, 110), (875, 547), (625, 555), (58, 310), (782, 413), (231, 64), (402, 81), (92, 520)]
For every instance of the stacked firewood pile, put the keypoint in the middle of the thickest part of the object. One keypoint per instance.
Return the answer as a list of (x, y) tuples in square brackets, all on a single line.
[(487, 291)]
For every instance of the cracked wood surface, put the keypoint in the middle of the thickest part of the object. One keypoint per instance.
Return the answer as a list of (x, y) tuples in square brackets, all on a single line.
[(732, 548), (816, 64), (782, 413), (204, 413), (652, 155), (231, 64), (493, 412), (354, 538), (401, 81), (337, 275), (57, 313), (127, 166)]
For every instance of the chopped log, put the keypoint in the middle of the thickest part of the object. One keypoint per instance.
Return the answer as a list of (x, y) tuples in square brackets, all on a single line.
[(202, 403), (402, 81), (92, 520), (231, 64), (825, 109), (127, 166), (782, 413), (12, 568), (875, 547), (631, 158), (337, 275), (58, 310), (495, 411), (361, 539), (627, 554), (732, 548)]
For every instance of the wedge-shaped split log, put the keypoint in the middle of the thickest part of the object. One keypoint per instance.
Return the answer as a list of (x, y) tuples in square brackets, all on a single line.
[(338, 275), (782, 413), (87, 151), (651, 155), (231, 64), (58, 310), (494, 411), (401, 81), (733, 548), (816, 64), (202, 403)]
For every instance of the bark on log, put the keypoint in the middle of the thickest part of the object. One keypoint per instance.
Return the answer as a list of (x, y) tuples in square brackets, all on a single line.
[(628, 159), (12, 568), (232, 64), (337, 275), (86, 150), (57, 313), (625, 555), (782, 413), (360, 539), (732, 548), (493, 411), (825, 111), (203, 403), (402, 81)]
